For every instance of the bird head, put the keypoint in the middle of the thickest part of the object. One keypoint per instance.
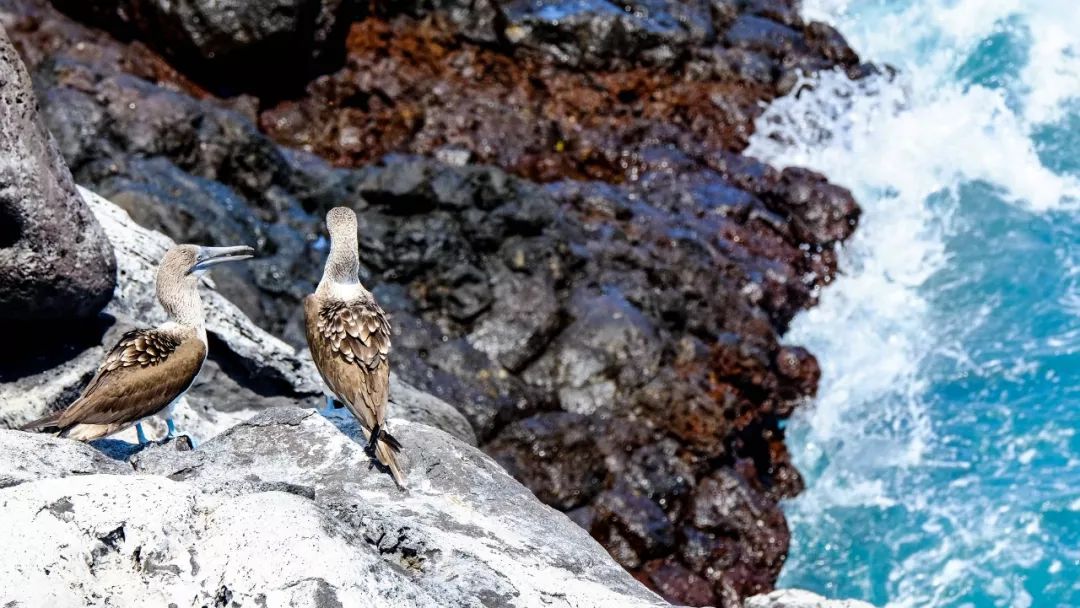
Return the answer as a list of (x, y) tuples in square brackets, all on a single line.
[(179, 273)]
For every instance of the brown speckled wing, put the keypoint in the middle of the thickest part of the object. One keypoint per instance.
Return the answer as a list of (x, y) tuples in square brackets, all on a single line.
[(350, 343), (143, 374)]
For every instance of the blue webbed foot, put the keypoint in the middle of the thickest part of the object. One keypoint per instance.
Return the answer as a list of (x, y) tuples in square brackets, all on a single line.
[(140, 433), (331, 405)]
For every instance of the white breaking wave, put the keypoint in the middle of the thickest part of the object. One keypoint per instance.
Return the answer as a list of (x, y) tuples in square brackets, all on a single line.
[(906, 146), (928, 38), (867, 331)]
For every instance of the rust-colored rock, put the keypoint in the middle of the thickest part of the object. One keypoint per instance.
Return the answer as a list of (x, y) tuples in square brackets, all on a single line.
[(417, 86)]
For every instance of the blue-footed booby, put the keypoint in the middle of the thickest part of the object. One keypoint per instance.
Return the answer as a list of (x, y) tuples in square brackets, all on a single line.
[(349, 337), (149, 369)]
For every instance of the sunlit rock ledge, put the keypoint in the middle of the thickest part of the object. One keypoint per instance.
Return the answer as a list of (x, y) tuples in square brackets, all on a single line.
[(284, 510)]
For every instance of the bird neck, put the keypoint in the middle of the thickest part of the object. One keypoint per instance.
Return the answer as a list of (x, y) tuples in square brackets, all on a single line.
[(182, 302), (343, 263)]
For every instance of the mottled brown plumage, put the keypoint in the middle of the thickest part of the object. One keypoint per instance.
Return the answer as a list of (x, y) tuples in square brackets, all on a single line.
[(144, 373), (349, 337), (350, 343), (148, 369)]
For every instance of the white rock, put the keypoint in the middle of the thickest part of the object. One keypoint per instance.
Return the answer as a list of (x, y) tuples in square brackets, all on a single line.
[(797, 598), (284, 510), (149, 541), (32, 456)]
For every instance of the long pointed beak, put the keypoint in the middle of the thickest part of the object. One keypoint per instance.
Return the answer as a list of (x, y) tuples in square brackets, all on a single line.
[(209, 256)]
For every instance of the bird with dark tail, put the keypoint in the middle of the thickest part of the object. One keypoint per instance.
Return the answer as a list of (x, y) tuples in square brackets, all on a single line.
[(349, 337), (149, 369)]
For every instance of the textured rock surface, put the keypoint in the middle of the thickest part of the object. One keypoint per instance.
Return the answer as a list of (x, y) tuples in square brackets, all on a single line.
[(55, 262), (283, 510), (604, 33), (425, 86), (574, 252), (797, 598)]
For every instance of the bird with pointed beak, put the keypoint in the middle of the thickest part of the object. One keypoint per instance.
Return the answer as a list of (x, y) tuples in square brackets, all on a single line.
[(349, 337), (149, 369)]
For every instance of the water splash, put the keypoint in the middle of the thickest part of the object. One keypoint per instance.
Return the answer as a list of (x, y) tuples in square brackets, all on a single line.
[(941, 453)]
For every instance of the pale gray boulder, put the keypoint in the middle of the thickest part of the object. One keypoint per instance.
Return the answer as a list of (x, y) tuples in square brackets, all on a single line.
[(55, 262), (28, 457), (149, 541), (284, 510)]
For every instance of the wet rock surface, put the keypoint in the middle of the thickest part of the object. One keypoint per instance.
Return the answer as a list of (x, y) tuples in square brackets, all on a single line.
[(574, 253)]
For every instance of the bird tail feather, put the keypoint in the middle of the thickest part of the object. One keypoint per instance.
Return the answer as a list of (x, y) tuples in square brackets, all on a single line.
[(386, 451), (80, 432), (45, 424), (90, 432), (394, 444)]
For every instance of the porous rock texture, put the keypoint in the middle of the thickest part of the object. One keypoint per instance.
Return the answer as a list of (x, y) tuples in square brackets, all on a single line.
[(55, 262), (284, 510), (554, 209)]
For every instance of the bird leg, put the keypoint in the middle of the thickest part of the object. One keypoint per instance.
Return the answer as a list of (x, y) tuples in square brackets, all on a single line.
[(140, 433), (331, 405), (172, 428)]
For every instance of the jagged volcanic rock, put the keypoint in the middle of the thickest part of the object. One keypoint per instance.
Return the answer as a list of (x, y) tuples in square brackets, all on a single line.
[(55, 262), (419, 86)]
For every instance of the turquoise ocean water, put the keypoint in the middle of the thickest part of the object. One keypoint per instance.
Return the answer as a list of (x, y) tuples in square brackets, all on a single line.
[(942, 455)]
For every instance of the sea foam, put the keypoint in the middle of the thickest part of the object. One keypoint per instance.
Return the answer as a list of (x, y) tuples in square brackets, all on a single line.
[(952, 149)]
